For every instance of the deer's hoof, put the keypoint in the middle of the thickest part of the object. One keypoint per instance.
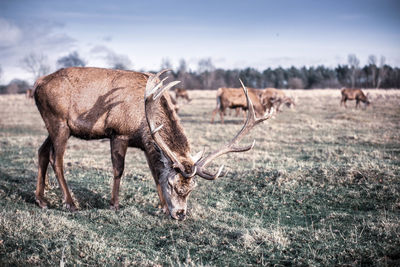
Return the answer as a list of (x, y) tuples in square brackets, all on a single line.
[(70, 207), (114, 207), (42, 202)]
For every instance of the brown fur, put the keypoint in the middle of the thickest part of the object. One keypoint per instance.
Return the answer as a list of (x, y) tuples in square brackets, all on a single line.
[(234, 98), (182, 93), (174, 102), (93, 103), (29, 93), (272, 97), (353, 94)]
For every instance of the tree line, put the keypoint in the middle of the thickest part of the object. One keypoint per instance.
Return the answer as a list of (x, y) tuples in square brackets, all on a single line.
[(373, 75), (350, 75)]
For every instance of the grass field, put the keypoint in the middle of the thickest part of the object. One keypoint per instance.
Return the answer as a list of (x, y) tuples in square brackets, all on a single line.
[(321, 188)]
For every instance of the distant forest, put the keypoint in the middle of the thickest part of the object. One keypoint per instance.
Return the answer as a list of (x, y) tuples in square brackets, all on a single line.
[(351, 75), (372, 75)]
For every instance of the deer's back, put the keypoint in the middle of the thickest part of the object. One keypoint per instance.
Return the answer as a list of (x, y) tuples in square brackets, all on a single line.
[(351, 93), (94, 102)]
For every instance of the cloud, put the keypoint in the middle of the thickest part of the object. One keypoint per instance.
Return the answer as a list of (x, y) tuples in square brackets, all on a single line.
[(40, 37), (10, 34), (110, 56), (21, 38), (107, 38)]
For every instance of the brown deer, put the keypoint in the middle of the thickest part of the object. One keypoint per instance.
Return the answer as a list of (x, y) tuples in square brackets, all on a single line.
[(271, 97), (182, 93), (92, 103), (353, 94), (174, 102), (234, 98), (29, 93)]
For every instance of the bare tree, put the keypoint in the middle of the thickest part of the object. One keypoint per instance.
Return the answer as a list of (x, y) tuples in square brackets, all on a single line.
[(382, 72), (182, 65), (36, 64), (182, 73), (71, 60), (372, 63), (206, 70), (205, 65), (354, 63), (166, 64)]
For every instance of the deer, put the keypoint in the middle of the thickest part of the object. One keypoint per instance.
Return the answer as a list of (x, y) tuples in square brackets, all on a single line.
[(234, 98), (29, 93), (182, 93), (353, 94), (131, 109), (174, 102), (272, 97)]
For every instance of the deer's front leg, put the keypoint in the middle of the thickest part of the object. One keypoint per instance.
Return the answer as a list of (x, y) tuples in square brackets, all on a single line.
[(153, 159), (118, 152)]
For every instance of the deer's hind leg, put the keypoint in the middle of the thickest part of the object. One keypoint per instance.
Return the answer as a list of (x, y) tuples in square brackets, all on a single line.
[(357, 103), (221, 115), (214, 113), (344, 102), (60, 134), (44, 158)]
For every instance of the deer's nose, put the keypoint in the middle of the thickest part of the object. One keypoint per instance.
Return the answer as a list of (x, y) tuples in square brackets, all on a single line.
[(180, 215)]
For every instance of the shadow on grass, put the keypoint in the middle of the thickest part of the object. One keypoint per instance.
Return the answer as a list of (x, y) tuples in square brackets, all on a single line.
[(18, 188), (89, 199)]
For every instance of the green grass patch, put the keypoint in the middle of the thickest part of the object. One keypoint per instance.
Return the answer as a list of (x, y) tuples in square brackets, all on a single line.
[(321, 188)]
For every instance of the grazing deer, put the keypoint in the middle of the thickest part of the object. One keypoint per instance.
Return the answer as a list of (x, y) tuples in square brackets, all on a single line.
[(353, 94), (93, 103), (271, 97), (182, 93), (29, 93), (174, 102), (234, 98)]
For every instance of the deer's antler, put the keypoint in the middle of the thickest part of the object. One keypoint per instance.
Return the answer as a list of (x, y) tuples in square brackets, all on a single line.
[(154, 90), (233, 145)]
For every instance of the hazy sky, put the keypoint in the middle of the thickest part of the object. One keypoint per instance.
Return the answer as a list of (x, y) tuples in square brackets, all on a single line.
[(234, 34)]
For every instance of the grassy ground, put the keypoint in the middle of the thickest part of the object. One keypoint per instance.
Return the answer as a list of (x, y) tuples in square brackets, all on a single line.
[(321, 187)]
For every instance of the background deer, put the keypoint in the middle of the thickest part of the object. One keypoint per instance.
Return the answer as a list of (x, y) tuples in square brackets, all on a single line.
[(353, 94), (234, 98), (93, 103), (271, 97), (182, 93)]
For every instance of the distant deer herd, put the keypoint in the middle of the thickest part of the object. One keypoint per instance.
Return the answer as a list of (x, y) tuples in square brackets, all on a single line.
[(134, 109)]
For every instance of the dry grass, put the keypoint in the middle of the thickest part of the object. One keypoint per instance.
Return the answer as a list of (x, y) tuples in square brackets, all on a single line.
[(321, 187)]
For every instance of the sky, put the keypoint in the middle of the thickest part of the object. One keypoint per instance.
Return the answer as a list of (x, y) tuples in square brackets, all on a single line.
[(233, 34)]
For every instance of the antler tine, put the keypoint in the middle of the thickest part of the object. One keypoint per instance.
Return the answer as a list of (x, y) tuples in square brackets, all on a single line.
[(208, 176), (153, 79), (152, 87), (196, 158), (153, 92), (158, 90), (232, 146)]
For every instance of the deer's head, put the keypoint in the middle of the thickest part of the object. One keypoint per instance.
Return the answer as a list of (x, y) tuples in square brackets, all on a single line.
[(178, 175)]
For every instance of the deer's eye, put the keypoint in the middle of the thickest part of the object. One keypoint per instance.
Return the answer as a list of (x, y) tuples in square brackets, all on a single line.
[(182, 191)]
